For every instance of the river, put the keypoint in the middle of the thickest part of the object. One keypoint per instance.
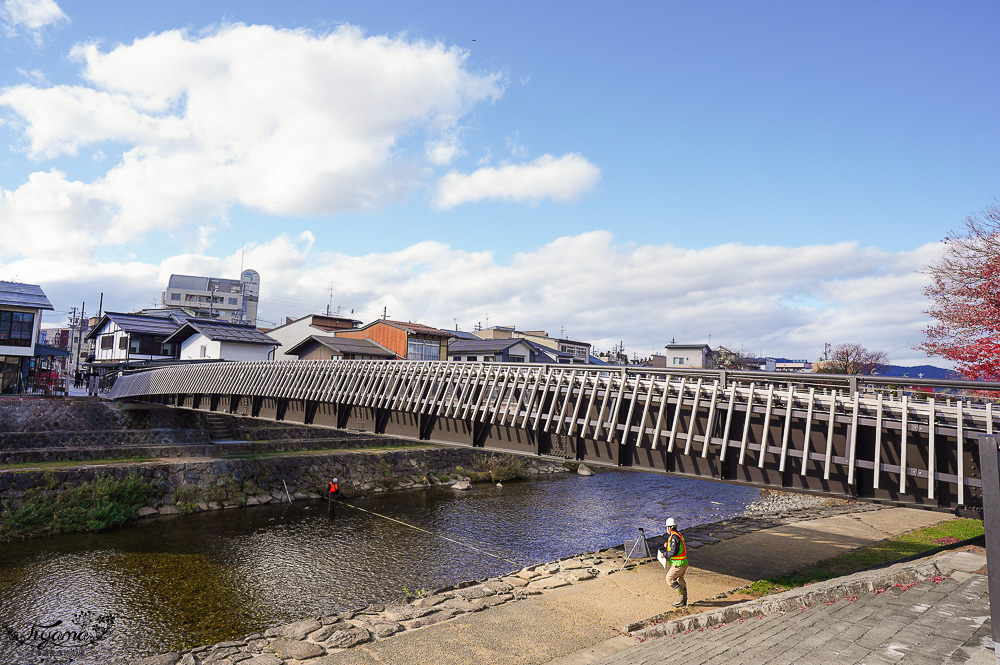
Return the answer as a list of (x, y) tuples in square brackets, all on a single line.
[(174, 582)]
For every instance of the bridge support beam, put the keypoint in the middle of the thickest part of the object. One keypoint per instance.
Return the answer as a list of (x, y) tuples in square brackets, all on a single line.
[(480, 432), (989, 461)]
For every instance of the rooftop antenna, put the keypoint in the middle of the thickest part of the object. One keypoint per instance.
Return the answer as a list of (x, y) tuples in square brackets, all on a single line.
[(329, 305), (385, 313), (242, 255)]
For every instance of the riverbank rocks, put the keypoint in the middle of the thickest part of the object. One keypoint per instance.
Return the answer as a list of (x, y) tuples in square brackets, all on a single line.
[(584, 470)]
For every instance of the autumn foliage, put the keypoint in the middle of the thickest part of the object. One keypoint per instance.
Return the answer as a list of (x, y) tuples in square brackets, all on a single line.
[(965, 297)]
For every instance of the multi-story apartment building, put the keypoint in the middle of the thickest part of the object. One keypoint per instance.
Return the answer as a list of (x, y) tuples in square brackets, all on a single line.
[(233, 300)]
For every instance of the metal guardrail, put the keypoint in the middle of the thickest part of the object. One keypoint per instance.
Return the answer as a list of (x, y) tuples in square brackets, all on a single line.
[(872, 437)]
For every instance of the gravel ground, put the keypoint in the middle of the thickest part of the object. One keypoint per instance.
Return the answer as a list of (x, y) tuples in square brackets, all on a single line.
[(772, 501)]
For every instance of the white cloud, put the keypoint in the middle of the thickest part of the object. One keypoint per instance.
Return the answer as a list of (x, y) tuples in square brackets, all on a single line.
[(785, 301), (563, 178), (288, 122), (31, 15)]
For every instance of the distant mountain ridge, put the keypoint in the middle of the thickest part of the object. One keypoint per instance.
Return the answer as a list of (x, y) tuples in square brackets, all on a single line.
[(928, 372)]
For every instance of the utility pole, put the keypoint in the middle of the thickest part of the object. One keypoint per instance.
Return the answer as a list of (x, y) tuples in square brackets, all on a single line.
[(79, 334)]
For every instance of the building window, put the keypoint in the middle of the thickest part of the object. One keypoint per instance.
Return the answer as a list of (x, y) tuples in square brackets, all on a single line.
[(175, 296), (423, 349), (149, 346), (107, 342), (678, 361), (517, 359), (16, 328), (473, 358), (122, 342), (204, 350), (232, 301)]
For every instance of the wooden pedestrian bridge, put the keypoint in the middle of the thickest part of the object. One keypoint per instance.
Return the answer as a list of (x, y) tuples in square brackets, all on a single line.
[(903, 441)]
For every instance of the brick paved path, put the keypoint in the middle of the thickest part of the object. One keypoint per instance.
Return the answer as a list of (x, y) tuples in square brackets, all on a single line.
[(931, 623)]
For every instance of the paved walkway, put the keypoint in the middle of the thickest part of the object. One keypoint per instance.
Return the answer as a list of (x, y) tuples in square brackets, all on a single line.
[(581, 622), (938, 621)]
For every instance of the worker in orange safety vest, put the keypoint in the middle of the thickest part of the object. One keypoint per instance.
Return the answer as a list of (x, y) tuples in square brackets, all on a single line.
[(676, 554)]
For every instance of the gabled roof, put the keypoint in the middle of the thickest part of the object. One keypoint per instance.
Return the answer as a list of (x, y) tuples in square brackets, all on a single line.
[(548, 350), (462, 334), (489, 345), (321, 322), (688, 346), (410, 327), (344, 345), (16, 294), (140, 324), (221, 331)]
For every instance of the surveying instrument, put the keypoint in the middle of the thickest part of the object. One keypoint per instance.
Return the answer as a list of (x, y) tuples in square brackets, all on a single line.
[(636, 549)]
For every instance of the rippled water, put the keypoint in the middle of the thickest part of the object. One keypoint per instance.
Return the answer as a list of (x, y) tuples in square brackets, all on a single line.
[(177, 582)]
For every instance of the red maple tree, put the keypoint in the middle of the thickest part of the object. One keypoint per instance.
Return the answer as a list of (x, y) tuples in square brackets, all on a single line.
[(965, 296)]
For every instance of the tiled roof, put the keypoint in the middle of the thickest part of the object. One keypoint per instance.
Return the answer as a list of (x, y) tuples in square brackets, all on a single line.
[(140, 324), (409, 326), (346, 345), (494, 345), (461, 334), (221, 331), (548, 350), (23, 295)]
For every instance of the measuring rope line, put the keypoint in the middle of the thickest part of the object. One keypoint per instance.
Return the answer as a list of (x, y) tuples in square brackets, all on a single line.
[(451, 540)]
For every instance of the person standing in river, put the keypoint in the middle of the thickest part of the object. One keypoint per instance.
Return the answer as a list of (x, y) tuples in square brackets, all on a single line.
[(677, 563)]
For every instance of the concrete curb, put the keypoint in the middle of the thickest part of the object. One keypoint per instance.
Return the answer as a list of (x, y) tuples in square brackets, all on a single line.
[(867, 581)]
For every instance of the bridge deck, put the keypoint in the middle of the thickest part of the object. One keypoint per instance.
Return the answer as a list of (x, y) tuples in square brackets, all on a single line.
[(842, 436)]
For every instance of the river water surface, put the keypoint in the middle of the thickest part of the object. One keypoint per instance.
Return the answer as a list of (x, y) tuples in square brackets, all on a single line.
[(175, 582)]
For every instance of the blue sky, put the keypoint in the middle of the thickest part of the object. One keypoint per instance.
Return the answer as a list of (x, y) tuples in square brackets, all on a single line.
[(770, 174)]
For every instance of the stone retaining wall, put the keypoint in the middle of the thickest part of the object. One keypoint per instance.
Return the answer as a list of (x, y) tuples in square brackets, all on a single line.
[(34, 429), (252, 429), (73, 422), (216, 483)]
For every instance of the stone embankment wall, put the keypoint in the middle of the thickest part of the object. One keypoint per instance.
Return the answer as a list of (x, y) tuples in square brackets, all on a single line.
[(82, 428), (230, 483), (73, 422)]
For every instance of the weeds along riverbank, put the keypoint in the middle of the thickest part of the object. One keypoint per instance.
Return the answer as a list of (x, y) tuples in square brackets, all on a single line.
[(40, 502)]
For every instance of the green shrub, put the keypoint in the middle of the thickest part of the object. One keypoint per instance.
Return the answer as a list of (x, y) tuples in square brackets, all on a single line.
[(495, 468), (102, 503)]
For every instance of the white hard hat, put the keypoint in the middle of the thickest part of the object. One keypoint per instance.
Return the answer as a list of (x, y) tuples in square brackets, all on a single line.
[(334, 480), (670, 522)]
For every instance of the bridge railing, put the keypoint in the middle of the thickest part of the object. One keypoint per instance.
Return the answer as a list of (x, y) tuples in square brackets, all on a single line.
[(853, 436)]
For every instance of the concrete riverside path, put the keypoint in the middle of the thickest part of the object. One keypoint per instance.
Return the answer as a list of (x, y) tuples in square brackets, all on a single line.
[(932, 611), (582, 623)]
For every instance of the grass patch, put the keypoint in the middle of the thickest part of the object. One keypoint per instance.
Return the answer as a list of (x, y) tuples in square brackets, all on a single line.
[(71, 463), (887, 551), (495, 468), (102, 503), (323, 451)]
